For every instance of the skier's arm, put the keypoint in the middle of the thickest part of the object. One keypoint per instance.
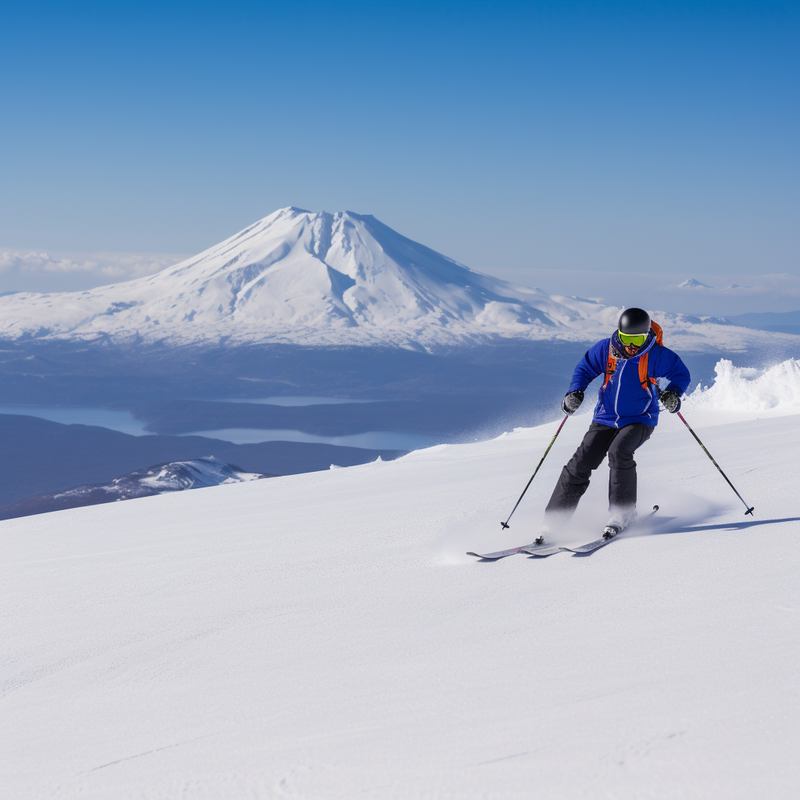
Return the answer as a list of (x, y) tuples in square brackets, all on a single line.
[(590, 366), (674, 370)]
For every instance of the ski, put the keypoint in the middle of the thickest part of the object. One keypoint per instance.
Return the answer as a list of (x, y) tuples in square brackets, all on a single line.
[(598, 543), (588, 548), (541, 551), (527, 549), (545, 549)]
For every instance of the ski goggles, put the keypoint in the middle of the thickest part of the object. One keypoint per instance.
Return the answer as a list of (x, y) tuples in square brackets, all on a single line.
[(637, 339)]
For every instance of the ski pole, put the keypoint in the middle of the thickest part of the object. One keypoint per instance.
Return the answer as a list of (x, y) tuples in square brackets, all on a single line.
[(552, 442), (749, 508)]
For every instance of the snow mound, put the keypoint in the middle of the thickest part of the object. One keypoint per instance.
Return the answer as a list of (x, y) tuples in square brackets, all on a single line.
[(775, 390)]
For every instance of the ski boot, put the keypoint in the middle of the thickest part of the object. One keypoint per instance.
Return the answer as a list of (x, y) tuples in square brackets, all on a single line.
[(619, 520), (544, 533)]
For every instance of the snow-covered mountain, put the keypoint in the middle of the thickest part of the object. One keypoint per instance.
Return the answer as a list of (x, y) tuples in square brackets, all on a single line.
[(320, 279), (693, 283), (325, 635), (175, 476)]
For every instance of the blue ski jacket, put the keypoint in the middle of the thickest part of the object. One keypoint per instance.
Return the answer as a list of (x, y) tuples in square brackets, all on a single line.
[(624, 400)]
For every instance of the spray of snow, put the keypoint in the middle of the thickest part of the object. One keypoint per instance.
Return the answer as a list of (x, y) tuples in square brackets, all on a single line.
[(774, 391)]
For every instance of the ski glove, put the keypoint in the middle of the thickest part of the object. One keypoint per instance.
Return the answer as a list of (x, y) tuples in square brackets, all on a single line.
[(670, 401), (572, 402)]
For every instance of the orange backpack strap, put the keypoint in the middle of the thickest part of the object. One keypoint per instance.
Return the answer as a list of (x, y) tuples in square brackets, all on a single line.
[(611, 365), (644, 378), (657, 330)]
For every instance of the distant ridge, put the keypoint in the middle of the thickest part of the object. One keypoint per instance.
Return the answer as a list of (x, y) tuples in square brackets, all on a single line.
[(41, 457), (777, 322), (175, 476)]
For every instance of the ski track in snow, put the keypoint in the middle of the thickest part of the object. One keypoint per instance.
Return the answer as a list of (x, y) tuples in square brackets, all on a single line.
[(325, 635)]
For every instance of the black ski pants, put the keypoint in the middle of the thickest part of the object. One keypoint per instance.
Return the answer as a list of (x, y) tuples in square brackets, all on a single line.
[(600, 440)]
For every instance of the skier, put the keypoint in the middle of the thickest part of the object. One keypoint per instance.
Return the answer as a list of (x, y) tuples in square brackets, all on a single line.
[(626, 413)]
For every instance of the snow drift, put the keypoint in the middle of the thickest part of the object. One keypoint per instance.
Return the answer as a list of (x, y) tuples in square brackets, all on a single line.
[(327, 279), (771, 391)]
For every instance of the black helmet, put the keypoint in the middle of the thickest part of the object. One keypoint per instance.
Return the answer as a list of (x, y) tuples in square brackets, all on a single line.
[(634, 320)]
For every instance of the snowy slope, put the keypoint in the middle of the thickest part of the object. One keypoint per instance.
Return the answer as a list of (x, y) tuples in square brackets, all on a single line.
[(329, 279), (324, 635)]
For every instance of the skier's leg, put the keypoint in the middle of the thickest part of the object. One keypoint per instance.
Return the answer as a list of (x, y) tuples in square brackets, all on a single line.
[(574, 479), (622, 467)]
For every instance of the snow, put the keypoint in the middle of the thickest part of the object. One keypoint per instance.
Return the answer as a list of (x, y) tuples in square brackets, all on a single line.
[(332, 279), (197, 473), (738, 392), (325, 635)]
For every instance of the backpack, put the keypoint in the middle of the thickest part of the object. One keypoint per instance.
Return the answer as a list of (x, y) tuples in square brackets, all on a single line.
[(644, 378)]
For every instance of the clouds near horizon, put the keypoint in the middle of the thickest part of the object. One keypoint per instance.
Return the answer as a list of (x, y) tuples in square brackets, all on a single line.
[(29, 271)]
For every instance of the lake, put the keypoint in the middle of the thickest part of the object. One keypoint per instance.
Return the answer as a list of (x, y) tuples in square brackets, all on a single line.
[(125, 422), (122, 421), (372, 440)]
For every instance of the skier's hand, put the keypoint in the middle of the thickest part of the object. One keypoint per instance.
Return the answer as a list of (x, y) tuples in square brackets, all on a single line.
[(670, 401), (572, 402)]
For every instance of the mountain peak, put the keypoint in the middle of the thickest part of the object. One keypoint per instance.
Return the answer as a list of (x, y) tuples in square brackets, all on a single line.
[(312, 278), (305, 277), (693, 283)]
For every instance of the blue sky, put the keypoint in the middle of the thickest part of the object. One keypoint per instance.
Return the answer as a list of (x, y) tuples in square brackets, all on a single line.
[(651, 136)]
